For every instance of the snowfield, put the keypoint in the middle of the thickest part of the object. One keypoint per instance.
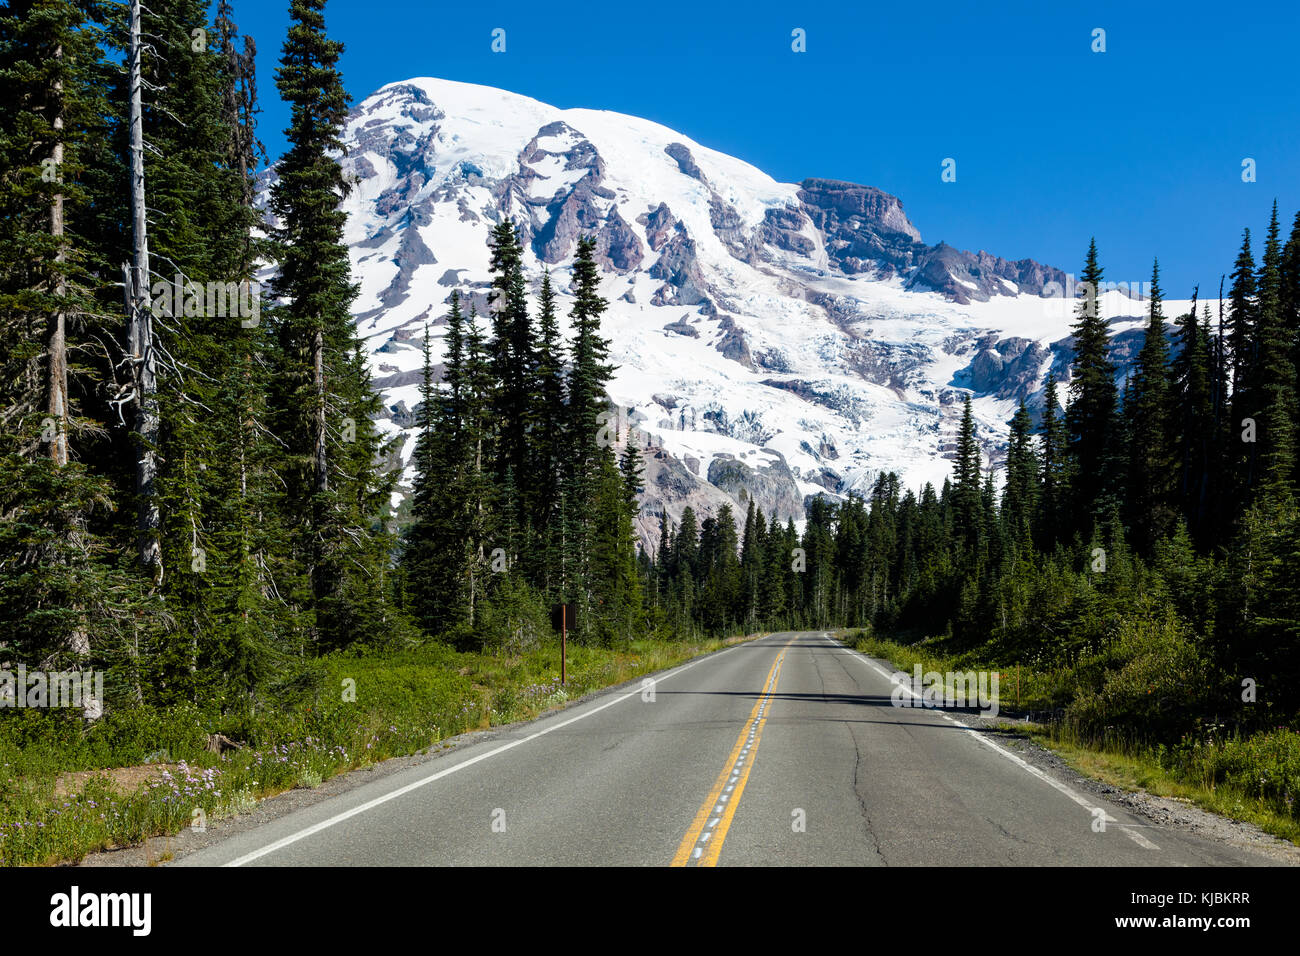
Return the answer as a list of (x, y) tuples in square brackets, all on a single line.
[(741, 330)]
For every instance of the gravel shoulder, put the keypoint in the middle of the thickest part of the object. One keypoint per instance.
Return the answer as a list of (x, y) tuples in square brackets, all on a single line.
[(1165, 812)]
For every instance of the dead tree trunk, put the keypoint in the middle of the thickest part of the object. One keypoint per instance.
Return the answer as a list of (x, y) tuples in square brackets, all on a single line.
[(318, 370), (57, 345), (140, 324), (78, 641)]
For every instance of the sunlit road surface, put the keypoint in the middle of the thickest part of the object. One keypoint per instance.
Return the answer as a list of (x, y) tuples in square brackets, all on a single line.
[(785, 750)]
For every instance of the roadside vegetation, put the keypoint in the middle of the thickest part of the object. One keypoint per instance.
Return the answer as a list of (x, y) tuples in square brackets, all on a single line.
[(68, 788)]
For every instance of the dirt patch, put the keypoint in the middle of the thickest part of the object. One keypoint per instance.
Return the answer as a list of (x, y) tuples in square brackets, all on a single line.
[(123, 780)]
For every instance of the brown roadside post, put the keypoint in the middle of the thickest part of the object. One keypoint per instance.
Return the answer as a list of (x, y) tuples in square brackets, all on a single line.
[(561, 617)]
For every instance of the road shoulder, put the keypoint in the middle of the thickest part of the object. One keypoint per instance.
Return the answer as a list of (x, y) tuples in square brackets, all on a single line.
[(162, 850)]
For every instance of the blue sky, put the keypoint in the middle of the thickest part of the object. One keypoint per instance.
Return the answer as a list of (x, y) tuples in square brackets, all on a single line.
[(1141, 145)]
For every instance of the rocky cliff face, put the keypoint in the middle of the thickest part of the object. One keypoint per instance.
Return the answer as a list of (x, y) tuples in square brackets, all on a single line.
[(864, 231), (774, 341)]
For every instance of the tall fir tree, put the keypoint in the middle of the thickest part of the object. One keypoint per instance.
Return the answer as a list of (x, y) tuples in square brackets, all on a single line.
[(1054, 459), (1275, 382), (1290, 291), (966, 486), (63, 600), (430, 589), (1020, 493), (324, 406), (548, 452), (1193, 427), (1090, 418), (515, 370), (1149, 419), (1242, 342), (482, 500), (589, 371)]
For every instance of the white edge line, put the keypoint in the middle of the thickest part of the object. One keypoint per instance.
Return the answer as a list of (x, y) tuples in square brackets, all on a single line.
[(1018, 761), (401, 791)]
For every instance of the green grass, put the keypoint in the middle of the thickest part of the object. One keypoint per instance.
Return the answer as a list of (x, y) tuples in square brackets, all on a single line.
[(1020, 688), (346, 711), (1217, 789), (1255, 779)]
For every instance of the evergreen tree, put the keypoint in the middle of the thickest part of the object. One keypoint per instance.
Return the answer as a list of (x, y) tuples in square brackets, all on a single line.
[(751, 565), (1275, 382), (686, 545), (615, 582), (1148, 415), (239, 103), (1193, 426), (324, 407), (515, 371), (1020, 494), (818, 578), (214, 475), (1054, 490), (1090, 418), (1289, 295), (589, 371), (1223, 438), (58, 583), (663, 558), (966, 490), (549, 453), (628, 610), (50, 101), (420, 552), (481, 499), (1242, 322), (1244, 361)]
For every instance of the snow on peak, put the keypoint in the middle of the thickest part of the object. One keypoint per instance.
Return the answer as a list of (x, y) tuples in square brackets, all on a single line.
[(773, 340)]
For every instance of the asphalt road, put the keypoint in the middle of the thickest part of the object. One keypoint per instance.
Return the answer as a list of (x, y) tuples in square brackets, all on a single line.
[(782, 751)]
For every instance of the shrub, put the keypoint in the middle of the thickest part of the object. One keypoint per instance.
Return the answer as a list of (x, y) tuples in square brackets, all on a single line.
[(1158, 690)]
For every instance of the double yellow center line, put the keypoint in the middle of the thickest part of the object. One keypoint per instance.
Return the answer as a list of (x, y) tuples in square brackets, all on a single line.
[(703, 841)]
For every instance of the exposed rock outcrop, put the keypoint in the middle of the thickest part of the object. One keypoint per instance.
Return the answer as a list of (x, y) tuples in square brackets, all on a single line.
[(679, 268), (617, 247), (1009, 368), (685, 161), (771, 486), (659, 223), (732, 344)]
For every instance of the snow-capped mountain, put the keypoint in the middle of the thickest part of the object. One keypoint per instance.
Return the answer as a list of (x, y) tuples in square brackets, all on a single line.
[(773, 340)]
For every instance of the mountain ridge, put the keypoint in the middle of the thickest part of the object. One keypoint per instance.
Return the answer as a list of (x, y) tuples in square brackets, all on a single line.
[(774, 340)]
